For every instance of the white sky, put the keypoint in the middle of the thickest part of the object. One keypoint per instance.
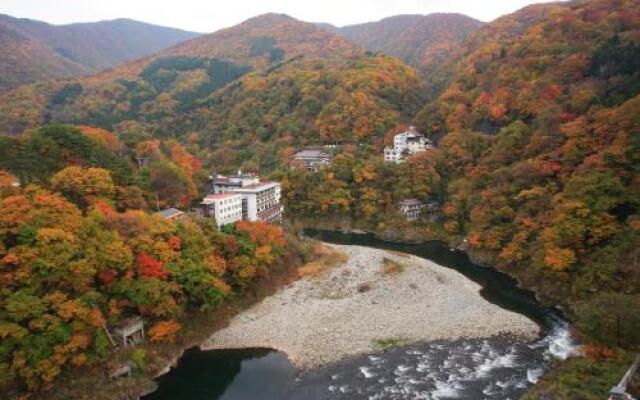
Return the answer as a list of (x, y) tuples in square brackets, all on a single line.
[(211, 15)]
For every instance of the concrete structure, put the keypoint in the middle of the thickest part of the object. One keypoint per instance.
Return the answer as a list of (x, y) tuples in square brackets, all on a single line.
[(406, 144), (260, 200), (619, 392), (171, 214), (226, 208), (312, 159), (130, 332), (411, 208)]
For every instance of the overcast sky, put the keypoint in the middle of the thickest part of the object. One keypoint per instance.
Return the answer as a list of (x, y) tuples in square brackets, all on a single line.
[(211, 15)]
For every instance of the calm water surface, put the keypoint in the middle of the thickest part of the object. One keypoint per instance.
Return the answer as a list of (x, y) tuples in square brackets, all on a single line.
[(473, 369)]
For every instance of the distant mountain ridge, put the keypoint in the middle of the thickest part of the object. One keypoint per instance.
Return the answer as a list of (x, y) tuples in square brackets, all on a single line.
[(180, 77), (261, 34), (421, 40), (32, 50)]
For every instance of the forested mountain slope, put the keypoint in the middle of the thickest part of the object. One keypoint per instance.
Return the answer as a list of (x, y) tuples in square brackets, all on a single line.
[(541, 154), (24, 59), (543, 109), (261, 88), (538, 167), (32, 50), (423, 41)]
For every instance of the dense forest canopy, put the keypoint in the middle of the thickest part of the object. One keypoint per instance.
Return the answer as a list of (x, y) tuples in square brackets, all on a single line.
[(536, 116), (423, 41), (80, 250)]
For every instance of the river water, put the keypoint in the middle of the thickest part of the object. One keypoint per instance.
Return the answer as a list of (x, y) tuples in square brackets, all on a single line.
[(474, 369)]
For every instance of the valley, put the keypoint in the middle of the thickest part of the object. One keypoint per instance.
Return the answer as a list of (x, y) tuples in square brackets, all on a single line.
[(174, 177)]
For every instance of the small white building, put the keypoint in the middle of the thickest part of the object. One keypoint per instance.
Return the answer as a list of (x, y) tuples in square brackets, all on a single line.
[(226, 208), (312, 159), (411, 208), (260, 200), (406, 144)]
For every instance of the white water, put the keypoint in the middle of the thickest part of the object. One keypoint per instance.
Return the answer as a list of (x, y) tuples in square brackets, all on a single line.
[(559, 343), (497, 368)]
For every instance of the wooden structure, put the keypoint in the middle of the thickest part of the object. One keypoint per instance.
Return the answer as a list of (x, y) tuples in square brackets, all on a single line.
[(130, 332), (120, 370), (619, 392), (411, 208)]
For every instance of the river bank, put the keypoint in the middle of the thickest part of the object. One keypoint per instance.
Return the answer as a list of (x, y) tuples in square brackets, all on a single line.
[(376, 297), (159, 357)]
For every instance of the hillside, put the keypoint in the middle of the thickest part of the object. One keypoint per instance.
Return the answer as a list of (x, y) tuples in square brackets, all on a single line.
[(549, 104), (32, 50), (423, 41), (272, 82), (81, 252), (537, 169)]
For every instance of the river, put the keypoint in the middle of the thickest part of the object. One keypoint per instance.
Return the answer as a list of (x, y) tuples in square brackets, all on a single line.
[(494, 368)]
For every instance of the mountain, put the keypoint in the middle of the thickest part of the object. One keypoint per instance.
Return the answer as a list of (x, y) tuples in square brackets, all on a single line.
[(537, 170), (420, 40), (540, 153), (32, 50), (264, 86), (264, 35), (258, 43)]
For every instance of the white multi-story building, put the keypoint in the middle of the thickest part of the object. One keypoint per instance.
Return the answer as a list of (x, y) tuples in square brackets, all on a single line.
[(226, 208), (406, 144), (260, 200)]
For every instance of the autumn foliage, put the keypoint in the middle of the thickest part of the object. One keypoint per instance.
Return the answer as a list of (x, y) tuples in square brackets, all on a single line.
[(163, 330), (66, 273)]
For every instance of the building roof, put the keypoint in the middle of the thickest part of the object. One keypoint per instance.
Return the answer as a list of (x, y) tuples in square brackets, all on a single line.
[(411, 133), (410, 202), (238, 180), (312, 153), (257, 186), (213, 197), (240, 175), (130, 322), (170, 213), (221, 196)]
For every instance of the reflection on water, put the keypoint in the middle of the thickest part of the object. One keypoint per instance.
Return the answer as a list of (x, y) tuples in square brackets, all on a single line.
[(495, 368), (246, 374)]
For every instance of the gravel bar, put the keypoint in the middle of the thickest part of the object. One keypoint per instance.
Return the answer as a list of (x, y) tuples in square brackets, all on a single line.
[(344, 311)]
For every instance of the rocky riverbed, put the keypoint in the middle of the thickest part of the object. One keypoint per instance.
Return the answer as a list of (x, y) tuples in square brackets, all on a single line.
[(376, 297)]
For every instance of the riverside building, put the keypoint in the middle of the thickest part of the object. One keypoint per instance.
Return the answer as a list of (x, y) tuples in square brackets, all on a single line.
[(226, 208), (260, 199)]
